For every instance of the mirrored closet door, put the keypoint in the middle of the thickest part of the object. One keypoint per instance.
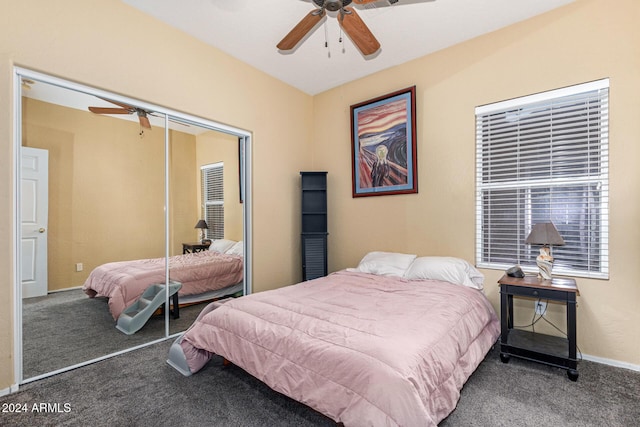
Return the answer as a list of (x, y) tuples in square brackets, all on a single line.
[(206, 226), (110, 196)]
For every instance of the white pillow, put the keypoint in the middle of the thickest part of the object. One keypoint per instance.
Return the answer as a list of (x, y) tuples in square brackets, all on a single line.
[(449, 269), (221, 245), (384, 263), (236, 249)]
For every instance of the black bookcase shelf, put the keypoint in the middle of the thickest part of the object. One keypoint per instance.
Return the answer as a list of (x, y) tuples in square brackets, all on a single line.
[(314, 224)]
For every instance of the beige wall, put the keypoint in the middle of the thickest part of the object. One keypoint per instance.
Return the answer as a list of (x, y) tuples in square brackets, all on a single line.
[(76, 40), (182, 193), (584, 41)]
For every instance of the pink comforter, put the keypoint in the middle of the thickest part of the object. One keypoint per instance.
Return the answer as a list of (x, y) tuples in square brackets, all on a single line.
[(359, 348), (123, 282)]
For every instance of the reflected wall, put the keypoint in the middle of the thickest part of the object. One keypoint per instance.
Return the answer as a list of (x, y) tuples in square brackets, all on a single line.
[(117, 192), (106, 189)]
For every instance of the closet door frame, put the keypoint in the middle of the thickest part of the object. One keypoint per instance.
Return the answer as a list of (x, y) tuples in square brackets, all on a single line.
[(245, 141)]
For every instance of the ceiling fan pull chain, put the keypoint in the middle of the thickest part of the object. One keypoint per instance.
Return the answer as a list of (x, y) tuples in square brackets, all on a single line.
[(342, 12), (326, 39)]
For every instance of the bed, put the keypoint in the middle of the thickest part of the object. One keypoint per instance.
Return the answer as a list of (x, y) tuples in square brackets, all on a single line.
[(390, 342), (203, 275)]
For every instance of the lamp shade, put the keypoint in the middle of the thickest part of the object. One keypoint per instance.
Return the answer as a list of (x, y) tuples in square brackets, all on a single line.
[(201, 224), (544, 234)]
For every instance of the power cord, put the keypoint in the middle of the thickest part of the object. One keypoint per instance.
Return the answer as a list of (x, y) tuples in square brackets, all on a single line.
[(541, 317), (532, 324)]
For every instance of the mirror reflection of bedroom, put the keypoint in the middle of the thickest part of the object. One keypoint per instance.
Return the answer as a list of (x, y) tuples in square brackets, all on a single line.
[(96, 235)]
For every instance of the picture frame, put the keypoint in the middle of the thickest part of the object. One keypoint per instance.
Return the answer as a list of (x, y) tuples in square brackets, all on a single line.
[(383, 145)]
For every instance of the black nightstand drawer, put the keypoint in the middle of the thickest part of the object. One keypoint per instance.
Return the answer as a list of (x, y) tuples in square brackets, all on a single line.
[(524, 291)]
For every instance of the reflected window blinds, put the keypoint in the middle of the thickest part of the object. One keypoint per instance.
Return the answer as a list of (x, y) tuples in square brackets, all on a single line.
[(213, 199)]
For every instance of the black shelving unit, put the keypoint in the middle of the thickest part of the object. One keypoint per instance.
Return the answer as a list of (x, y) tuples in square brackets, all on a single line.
[(314, 225)]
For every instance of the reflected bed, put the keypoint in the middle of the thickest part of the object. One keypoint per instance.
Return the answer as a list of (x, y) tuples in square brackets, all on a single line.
[(203, 275)]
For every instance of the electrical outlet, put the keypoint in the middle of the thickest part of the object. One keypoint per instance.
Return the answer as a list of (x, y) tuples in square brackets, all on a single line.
[(541, 307), (79, 266)]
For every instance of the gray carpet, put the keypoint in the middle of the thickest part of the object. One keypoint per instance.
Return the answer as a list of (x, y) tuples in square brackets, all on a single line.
[(66, 328), (140, 389), (529, 394)]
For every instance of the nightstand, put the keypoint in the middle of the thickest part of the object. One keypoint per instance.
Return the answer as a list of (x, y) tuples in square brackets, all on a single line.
[(191, 248), (552, 350)]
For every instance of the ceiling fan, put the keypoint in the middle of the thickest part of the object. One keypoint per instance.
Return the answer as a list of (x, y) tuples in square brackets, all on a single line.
[(124, 109), (349, 21)]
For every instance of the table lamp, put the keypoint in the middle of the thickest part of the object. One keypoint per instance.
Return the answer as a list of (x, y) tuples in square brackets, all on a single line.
[(545, 234), (202, 225)]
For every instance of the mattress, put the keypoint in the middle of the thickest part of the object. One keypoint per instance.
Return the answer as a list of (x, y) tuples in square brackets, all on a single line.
[(360, 348)]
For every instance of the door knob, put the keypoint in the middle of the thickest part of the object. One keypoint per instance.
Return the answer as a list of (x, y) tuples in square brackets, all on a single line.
[(41, 230)]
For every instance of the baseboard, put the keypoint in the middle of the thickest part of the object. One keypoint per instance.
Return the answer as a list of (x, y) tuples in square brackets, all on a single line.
[(9, 390), (64, 290), (611, 362)]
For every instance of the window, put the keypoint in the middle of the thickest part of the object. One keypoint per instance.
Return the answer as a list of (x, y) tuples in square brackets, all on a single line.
[(213, 199), (544, 158)]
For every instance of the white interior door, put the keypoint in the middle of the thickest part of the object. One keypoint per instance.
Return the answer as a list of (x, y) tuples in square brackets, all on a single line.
[(34, 204)]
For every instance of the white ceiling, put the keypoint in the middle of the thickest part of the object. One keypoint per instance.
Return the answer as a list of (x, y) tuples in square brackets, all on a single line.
[(250, 29)]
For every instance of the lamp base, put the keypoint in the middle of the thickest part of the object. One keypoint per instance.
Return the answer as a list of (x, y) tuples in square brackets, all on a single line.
[(545, 263)]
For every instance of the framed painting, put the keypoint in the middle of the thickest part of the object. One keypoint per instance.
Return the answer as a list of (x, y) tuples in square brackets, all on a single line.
[(383, 145)]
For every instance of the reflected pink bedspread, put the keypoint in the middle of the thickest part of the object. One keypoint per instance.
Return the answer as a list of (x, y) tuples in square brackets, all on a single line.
[(359, 348), (123, 282)]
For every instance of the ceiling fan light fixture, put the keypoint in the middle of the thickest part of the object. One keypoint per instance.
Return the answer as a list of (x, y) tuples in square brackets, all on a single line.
[(333, 5)]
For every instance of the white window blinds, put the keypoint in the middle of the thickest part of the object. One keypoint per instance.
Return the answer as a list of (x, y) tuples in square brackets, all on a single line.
[(544, 158), (213, 199)]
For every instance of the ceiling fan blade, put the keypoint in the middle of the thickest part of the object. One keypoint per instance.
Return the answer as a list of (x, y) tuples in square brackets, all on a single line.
[(300, 30), (365, 1), (144, 121), (108, 110), (358, 31)]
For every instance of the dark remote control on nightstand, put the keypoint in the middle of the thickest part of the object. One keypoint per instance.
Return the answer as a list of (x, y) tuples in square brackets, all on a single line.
[(515, 271)]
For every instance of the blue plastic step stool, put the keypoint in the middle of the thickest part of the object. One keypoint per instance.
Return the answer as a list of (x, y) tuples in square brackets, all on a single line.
[(136, 315)]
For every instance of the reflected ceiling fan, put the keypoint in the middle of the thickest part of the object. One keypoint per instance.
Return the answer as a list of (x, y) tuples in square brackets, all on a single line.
[(349, 21), (143, 115), (124, 109)]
